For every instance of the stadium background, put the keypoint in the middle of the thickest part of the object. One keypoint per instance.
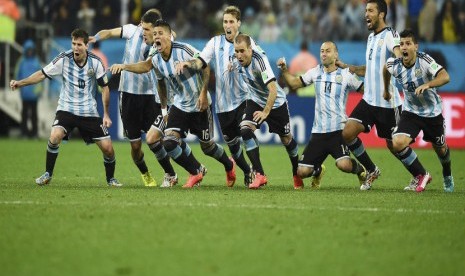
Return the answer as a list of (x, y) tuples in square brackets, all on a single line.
[(278, 25)]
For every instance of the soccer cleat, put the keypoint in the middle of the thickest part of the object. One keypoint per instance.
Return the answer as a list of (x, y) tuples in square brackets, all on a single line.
[(412, 186), (44, 179), (231, 174), (114, 183), (169, 180), (362, 177), (148, 180), (298, 183), (371, 176), (194, 180), (316, 180), (259, 180), (248, 177), (448, 184), (423, 180)]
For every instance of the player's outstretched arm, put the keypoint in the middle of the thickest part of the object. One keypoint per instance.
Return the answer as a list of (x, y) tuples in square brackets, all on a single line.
[(292, 81), (441, 79), (358, 70), (195, 64), (105, 34), (138, 68), (386, 82), (32, 79)]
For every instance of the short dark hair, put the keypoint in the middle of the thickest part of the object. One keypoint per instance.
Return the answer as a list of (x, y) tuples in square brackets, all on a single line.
[(234, 11), (162, 23), (151, 16), (80, 33), (243, 38), (408, 33), (382, 6)]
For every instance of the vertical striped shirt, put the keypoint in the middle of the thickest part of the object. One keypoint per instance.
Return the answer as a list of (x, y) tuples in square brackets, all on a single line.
[(136, 50), (380, 47), (257, 75), (229, 89), (79, 88), (427, 104), (185, 87), (331, 90)]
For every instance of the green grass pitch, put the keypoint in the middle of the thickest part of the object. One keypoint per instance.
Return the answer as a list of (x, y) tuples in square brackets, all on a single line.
[(79, 226)]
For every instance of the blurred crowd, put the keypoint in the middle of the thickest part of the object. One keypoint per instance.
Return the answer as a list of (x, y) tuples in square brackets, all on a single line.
[(266, 20)]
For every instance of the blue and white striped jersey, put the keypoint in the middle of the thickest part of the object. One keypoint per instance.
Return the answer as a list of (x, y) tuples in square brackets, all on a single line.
[(153, 76), (380, 47), (79, 88), (136, 50), (331, 91), (230, 91), (185, 87), (427, 104), (257, 76)]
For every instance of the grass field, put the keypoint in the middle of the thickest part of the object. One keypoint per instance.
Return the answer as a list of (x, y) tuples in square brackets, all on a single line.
[(79, 226)]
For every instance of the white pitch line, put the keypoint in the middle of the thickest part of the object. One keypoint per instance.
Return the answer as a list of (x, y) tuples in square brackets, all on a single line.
[(243, 206)]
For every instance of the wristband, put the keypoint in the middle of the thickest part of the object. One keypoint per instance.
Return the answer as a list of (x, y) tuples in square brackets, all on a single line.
[(164, 112), (97, 37)]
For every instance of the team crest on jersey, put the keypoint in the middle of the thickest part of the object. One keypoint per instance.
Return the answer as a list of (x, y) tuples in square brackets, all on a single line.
[(90, 72), (418, 72), (380, 43), (339, 79)]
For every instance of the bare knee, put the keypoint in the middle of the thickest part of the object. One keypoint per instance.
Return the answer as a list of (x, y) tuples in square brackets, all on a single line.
[(344, 165), (304, 172)]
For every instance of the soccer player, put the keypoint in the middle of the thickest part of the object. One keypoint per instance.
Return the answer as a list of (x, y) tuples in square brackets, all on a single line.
[(267, 103), (420, 76), (373, 109), (191, 110), (332, 85), (140, 104), (230, 93), (81, 71)]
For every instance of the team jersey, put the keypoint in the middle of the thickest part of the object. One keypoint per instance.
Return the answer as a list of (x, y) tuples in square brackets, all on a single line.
[(331, 90), (257, 75), (380, 47), (153, 75), (136, 50), (79, 88), (185, 87), (229, 89), (427, 104)]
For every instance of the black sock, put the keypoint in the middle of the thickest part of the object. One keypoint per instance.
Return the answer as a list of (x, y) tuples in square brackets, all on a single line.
[(293, 152), (410, 160), (252, 149), (141, 165), (217, 151), (52, 154), (317, 171), (356, 167), (162, 157), (110, 164), (446, 163), (236, 152), (358, 150), (190, 156)]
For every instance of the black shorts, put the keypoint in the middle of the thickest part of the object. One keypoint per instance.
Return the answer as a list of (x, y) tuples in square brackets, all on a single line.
[(90, 128), (320, 146), (230, 122), (197, 123), (278, 119), (385, 119), (138, 112), (433, 128), (159, 123)]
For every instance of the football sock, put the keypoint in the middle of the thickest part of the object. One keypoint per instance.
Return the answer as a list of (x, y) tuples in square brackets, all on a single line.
[(446, 163), (317, 171), (188, 152), (52, 154), (410, 160), (217, 151), (357, 148), (236, 152), (141, 164), (109, 163), (252, 149), (356, 167), (293, 152), (162, 157)]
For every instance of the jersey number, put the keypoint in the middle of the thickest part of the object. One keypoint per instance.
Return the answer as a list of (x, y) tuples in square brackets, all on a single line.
[(371, 52), (81, 84), (327, 87)]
